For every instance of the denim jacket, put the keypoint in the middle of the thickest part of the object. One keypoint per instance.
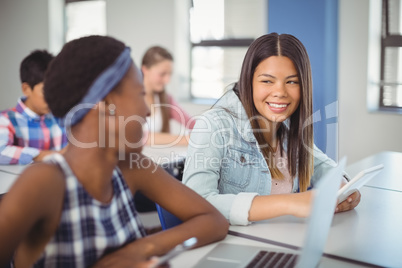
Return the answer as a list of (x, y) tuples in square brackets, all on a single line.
[(225, 165)]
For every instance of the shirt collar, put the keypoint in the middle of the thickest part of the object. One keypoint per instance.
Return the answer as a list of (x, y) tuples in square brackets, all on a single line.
[(24, 110), (231, 102)]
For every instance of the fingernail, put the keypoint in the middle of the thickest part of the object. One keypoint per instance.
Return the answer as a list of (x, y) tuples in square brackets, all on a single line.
[(349, 200), (336, 210)]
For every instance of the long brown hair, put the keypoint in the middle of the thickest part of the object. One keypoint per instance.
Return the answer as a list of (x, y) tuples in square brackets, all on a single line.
[(153, 56), (300, 135)]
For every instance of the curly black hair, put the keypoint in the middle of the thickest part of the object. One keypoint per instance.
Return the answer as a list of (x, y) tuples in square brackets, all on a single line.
[(33, 67), (75, 68)]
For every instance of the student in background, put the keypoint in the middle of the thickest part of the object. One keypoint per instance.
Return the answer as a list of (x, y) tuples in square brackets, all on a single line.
[(28, 132), (77, 209), (157, 68), (253, 157)]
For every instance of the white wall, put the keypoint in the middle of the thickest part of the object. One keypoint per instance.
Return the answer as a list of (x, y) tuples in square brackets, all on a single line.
[(23, 28), (141, 24), (361, 133)]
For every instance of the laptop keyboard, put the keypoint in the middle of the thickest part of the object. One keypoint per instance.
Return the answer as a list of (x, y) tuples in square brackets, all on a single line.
[(268, 259)]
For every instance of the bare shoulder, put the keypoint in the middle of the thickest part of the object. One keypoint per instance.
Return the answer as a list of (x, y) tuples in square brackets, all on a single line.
[(45, 175), (32, 208), (38, 184)]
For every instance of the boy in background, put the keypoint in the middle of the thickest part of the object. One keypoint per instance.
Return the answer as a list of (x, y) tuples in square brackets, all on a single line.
[(28, 132)]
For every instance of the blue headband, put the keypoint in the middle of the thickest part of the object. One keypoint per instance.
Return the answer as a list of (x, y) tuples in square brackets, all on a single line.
[(105, 82)]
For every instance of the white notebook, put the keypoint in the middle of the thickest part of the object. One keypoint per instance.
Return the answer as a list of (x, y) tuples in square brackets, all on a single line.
[(358, 181)]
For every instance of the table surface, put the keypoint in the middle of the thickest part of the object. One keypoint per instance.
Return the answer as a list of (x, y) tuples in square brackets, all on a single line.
[(192, 257), (390, 178), (12, 169), (159, 154), (368, 234), (6, 180)]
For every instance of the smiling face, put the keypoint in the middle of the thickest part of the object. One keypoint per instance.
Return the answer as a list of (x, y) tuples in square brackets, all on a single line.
[(276, 88), (158, 75)]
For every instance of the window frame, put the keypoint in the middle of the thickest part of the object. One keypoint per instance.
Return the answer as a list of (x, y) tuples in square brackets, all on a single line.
[(387, 40), (240, 40), (222, 43)]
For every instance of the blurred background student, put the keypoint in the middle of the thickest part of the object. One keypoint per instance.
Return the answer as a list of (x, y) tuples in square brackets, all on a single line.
[(157, 68), (28, 131), (77, 209)]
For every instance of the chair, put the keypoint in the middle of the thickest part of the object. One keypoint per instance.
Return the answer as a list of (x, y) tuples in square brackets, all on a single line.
[(167, 219)]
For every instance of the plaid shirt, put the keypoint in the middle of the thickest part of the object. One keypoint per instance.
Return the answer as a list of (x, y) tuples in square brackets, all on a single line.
[(23, 134), (89, 229)]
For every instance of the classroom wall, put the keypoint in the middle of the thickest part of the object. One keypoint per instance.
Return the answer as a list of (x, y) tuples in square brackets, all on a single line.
[(361, 133), (141, 24), (315, 24), (24, 25)]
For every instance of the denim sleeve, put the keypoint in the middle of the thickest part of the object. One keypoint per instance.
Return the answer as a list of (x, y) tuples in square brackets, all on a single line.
[(322, 163), (203, 168)]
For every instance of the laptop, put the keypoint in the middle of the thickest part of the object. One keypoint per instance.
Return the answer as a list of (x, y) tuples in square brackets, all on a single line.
[(226, 255)]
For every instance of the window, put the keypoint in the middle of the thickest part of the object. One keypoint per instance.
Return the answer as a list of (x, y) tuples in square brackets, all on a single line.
[(85, 18), (391, 56), (220, 33)]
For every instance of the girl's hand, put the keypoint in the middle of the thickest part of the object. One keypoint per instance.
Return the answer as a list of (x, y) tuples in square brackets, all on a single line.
[(350, 203)]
